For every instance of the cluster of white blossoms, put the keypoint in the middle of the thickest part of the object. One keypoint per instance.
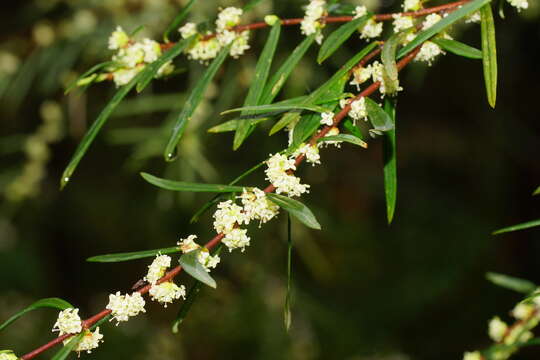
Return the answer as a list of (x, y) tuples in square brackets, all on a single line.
[(519, 4), (7, 355), (429, 50), (315, 10), (358, 109), (371, 29), (402, 22), (167, 291), (132, 56), (412, 5), (276, 172), (89, 341), (311, 152), (125, 306), (68, 322), (360, 75), (256, 205), (205, 259)]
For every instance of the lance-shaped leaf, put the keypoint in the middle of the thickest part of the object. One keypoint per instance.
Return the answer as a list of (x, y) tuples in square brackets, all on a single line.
[(353, 129), (250, 5), (446, 21), (173, 26), (275, 107), (68, 348), (187, 186), (512, 283), (522, 226), (232, 124), (54, 303), (87, 73), (339, 36), (380, 120), (94, 129), (152, 69), (296, 209), (192, 102), (459, 48), (119, 257), (489, 53), (351, 139), (262, 69), (287, 307), (191, 296), (537, 191), (322, 91), (190, 263), (389, 160), (388, 58)]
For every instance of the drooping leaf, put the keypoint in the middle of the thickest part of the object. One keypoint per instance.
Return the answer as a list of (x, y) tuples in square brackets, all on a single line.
[(150, 70), (190, 263), (119, 257), (186, 306), (459, 48), (446, 21), (68, 348), (339, 36), (522, 226), (388, 58), (262, 69), (175, 24), (232, 124), (512, 283), (296, 209), (351, 139), (287, 307), (87, 73), (192, 102), (94, 129), (380, 120), (489, 53), (537, 191), (275, 107), (54, 303), (187, 186), (389, 160)]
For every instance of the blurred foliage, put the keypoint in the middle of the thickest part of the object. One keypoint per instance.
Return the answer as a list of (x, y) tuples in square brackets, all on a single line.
[(361, 289)]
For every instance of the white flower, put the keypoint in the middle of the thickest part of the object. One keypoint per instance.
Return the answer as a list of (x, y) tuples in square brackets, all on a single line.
[(472, 356), (227, 215), (278, 164), (358, 110), (327, 118), (130, 56), (123, 76), (360, 75), (315, 9), (204, 50), (412, 5), (240, 45), (207, 260), (310, 23), (402, 22), (189, 29), (497, 329), (522, 311), (276, 173), (519, 4), (228, 18), (89, 341), (156, 270), (311, 152), (68, 322), (167, 292), (188, 244), (124, 306), (118, 39), (359, 11), (431, 20), (428, 52), (152, 50), (473, 18), (256, 205), (236, 239), (371, 29), (7, 355)]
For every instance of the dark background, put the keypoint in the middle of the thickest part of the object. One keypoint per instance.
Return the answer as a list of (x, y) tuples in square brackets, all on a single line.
[(362, 289)]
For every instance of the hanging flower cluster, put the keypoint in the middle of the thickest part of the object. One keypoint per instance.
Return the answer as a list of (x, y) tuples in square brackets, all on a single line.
[(312, 24), (69, 322), (125, 306), (89, 341), (277, 172), (167, 291)]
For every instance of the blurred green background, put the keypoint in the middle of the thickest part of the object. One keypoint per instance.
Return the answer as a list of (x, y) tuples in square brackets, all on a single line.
[(362, 289)]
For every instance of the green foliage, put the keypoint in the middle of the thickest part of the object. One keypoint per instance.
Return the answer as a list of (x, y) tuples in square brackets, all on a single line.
[(390, 160), (296, 209), (190, 263), (339, 36), (380, 120), (191, 296), (522, 226), (489, 53), (351, 139), (458, 48), (388, 58), (287, 307), (64, 352), (128, 256), (173, 26), (54, 303), (512, 283), (187, 186)]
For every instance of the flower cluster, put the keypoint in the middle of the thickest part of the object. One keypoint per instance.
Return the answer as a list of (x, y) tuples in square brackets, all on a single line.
[(68, 322), (167, 291), (311, 152), (402, 22), (412, 5), (371, 29), (156, 270), (311, 24), (378, 74), (519, 4), (205, 259), (125, 306), (358, 109), (278, 166), (256, 205), (7, 355), (89, 341)]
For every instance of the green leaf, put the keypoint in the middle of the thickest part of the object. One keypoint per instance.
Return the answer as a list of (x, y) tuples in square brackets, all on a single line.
[(489, 53), (446, 21), (232, 125), (94, 129), (501, 8), (389, 159), (511, 283), (275, 107), (187, 186), (537, 191), (150, 70), (54, 303), (287, 307), (459, 48), (522, 226), (132, 255), (87, 73), (388, 58), (68, 348), (192, 102), (193, 267), (339, 36), (277, 81), (346, 138), (186, 306), (250, 5), (262, 69), (353, 129), (296, 209), (380, 120), (174, 25)]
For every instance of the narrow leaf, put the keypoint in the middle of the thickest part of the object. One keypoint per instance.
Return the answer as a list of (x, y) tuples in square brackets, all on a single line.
[(187, 186), (54, 303), (132, 255), (459, 48), (446, 21), (380, 120), (522, 226), (346, 138), (388, 58), (296, 209), (275, 107), (87, 73), (68, 348), (177, 20), (512, 283), (339, 36), (250, 5), (262, 69), (389, 159), (186, 306), (192, 102), (287, 307), (190, 263), (232, 125), (537, 191), (353, 129), (489, 53)]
